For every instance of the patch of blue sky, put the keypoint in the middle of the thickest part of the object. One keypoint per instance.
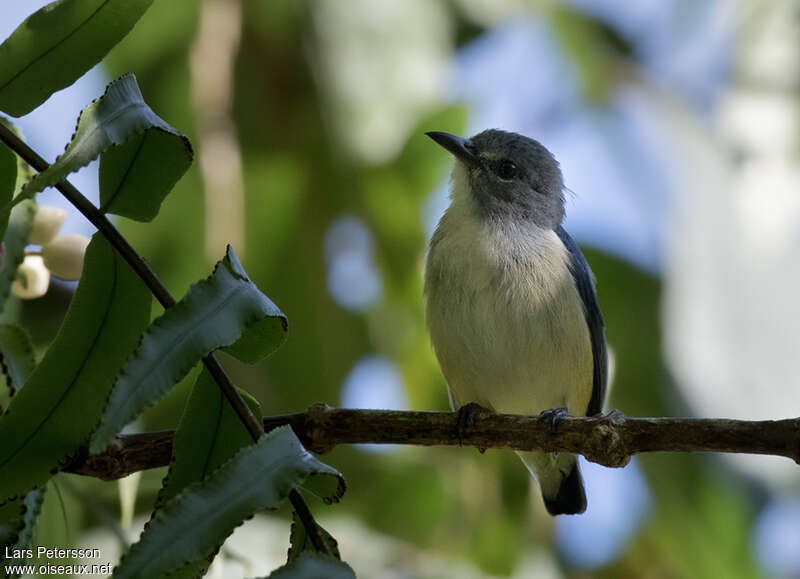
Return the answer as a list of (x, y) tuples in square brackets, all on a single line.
[(619, 502), (516, 77), (684, 45), (48, 128), (776, 538), (375, 382), (353, 279)]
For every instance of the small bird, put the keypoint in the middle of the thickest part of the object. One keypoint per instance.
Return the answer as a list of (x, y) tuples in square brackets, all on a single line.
[(510, 300)]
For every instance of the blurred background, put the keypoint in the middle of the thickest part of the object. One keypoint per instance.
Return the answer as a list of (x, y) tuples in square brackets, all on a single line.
[(676, 126)]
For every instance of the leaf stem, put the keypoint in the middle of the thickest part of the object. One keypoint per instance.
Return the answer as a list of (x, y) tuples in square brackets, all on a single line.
[(161, 293)]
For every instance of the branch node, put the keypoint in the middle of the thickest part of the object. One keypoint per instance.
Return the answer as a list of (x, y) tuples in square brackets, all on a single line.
[(609, 448), (606, 443), (616, 417)]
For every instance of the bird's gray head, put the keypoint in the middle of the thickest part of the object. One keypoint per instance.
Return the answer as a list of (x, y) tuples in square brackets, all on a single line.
[(509, 176)]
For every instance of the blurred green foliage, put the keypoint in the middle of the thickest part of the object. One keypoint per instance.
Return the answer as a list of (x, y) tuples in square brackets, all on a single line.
[(296, 180)]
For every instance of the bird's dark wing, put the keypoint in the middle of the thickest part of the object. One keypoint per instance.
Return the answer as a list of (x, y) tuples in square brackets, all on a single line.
[(584, 280)]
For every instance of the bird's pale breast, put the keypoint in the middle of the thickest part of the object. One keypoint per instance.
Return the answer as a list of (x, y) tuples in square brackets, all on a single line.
[(505, 319)]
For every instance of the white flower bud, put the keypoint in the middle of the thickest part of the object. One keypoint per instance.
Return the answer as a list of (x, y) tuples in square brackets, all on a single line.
[(33, 278), (64, 255), (46, 224)]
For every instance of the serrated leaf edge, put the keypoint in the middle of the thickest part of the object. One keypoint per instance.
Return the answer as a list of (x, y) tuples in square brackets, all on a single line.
[(307, 555), (318, 469), (104, 208), (117, 85), (100, 445)]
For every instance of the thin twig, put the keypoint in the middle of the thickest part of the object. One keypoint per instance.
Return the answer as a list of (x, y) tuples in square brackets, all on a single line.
[(609, 440), (161, 293)]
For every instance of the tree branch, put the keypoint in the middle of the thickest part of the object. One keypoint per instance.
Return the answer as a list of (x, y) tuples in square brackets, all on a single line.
[(609, 440)]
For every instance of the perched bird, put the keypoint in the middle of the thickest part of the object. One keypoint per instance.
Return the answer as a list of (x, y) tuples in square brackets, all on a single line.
[(510, 301)]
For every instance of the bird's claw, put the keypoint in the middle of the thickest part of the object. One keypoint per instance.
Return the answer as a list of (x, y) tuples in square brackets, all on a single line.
[(465, 418), (555, 415), (614, 416)]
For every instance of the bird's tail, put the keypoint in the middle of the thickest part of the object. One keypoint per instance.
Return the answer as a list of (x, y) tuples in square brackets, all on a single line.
[(559, 479)]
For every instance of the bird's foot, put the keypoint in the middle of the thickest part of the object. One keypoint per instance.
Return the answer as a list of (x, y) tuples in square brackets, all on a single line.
[(555, 415), (465, 418), (615, 416)]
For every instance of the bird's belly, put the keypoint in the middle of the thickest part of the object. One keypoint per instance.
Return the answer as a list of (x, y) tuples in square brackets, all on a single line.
[(513, 350)]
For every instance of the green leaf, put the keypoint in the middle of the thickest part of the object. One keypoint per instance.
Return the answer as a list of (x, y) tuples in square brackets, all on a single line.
[(120, 116), (17, 522), (16, 223), (16, 239), (18, 516), (210, 432), (135, 177), (8, 180), (226, 309), (314, 566), (258, 477), (8, 173), (299, 542), (53, 415), (17, 361), (55, 45)]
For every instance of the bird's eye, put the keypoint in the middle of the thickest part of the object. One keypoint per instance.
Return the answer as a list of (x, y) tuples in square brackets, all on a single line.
[(506, 170)]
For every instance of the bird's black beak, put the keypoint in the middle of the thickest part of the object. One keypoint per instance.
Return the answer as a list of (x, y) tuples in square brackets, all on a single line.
[(459, 146)]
